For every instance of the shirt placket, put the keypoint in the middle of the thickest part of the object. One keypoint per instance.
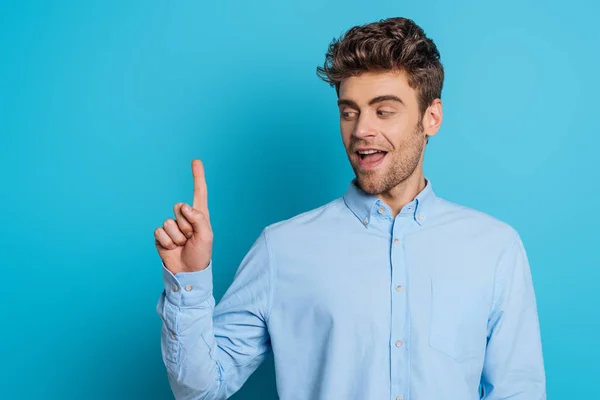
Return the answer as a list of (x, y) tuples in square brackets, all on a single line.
[(399, 339)]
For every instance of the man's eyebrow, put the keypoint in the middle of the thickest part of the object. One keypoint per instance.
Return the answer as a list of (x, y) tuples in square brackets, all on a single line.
[(386, 97), (375, 100), (347, 102)]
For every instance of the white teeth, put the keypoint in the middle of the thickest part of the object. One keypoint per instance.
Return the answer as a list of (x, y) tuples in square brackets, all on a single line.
[(368, 152)]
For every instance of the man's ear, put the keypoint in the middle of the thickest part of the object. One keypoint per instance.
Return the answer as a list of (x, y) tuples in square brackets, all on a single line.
[(432, 119)]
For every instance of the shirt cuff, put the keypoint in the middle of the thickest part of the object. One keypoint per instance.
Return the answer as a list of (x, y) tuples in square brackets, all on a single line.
[(188, 289)]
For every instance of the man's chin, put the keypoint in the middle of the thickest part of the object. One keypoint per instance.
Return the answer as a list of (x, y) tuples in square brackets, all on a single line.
[(369, 183)]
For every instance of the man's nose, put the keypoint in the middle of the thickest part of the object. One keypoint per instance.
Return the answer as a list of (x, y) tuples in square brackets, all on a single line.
[(364, 129)]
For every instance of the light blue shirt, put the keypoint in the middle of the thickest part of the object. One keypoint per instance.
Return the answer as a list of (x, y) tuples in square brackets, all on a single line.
[(435, 304)]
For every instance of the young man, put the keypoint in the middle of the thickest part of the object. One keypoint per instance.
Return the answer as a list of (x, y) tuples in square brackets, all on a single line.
[(388, 292)]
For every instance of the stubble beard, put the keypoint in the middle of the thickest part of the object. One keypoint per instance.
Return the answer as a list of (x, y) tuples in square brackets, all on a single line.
[(402, 164)]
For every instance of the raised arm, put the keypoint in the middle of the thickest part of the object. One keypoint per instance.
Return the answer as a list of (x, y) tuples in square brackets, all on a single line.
[(208, 351)]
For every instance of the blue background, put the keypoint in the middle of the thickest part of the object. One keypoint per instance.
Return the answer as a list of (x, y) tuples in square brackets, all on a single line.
[(104, 104)]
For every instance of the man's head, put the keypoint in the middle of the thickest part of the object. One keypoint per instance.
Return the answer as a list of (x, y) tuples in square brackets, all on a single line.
[(389, 80)]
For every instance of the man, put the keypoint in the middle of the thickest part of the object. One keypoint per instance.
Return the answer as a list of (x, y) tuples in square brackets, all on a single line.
[(388, 292)]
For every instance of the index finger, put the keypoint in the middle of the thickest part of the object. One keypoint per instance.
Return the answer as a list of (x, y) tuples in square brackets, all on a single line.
[(200, 191)]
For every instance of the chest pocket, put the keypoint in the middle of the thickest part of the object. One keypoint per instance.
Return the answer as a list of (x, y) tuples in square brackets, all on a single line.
[(458, 319)]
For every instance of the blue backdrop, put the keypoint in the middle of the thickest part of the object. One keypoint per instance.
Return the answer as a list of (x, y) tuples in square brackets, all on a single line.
[(104, 104)]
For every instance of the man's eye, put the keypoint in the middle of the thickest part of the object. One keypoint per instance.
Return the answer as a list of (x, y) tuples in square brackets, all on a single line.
[(384, 113), (348, 114)]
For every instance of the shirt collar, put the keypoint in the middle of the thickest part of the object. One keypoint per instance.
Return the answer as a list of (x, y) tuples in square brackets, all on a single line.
[(365, 205)]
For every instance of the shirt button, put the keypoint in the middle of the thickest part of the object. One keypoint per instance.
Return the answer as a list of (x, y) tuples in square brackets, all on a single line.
[(396, 240), (399, 288), (175, 288), (366, 221), (398, 343), (173, 335), (188, 287), (420, 218), (381, 210), (399, 397)]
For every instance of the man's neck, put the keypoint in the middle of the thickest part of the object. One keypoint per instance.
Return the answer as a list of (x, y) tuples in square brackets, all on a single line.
[(403, 193)]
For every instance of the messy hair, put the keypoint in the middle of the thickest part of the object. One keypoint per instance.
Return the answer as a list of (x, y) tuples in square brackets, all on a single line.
[(394, 44)]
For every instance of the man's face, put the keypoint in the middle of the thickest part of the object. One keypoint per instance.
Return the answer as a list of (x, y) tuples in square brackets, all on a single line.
[(382, 129)]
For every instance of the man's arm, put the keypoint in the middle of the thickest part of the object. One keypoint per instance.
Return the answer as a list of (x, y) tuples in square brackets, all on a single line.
[(209, 352), (514, 366)]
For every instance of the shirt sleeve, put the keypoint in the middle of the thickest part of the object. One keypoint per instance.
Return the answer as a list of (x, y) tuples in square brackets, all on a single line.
[(514, 366), (210, 351)]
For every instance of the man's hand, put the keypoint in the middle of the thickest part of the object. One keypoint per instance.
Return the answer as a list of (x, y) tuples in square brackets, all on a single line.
[(185, 244)]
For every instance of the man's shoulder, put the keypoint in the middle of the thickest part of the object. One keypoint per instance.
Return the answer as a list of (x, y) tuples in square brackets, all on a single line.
[(315, 218), (473, 221)]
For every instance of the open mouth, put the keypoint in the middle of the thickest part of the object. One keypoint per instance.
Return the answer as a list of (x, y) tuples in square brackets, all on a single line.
[(370, 158)]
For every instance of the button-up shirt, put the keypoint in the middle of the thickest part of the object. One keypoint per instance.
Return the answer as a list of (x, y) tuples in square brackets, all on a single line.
[(436, 303)]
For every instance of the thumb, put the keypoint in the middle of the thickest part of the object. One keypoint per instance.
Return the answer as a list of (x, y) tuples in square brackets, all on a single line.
[(196, 218)]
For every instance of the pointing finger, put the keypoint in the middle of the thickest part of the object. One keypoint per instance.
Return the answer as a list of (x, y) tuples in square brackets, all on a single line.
[(200, 190)]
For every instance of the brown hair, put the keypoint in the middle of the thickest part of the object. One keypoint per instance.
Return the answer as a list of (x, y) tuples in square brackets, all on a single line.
[(394, 44)]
